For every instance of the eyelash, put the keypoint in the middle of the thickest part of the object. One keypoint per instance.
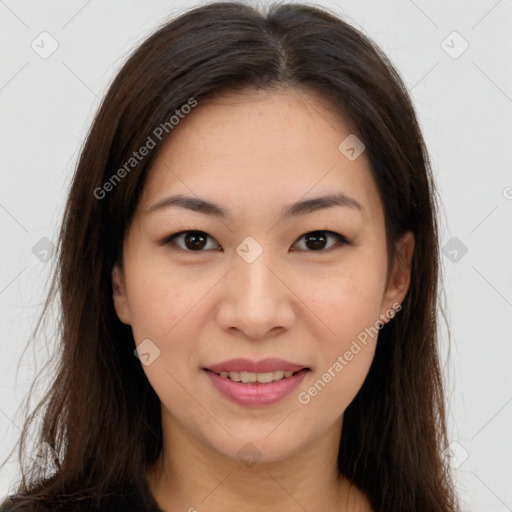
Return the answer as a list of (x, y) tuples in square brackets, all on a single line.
[(169, 240)]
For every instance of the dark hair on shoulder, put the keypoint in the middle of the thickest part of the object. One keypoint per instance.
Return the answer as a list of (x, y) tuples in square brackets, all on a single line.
[(100, 414)]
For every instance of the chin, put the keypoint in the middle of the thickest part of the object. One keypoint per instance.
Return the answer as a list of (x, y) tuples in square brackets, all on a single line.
[(269, 443)]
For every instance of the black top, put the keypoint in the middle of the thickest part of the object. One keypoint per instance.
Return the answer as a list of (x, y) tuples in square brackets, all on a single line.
[(128, 499)]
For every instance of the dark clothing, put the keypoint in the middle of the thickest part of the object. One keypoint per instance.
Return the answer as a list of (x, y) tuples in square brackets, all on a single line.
[(129, 499)]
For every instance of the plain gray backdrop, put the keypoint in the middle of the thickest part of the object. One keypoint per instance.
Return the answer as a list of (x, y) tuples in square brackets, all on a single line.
[(58, 58)]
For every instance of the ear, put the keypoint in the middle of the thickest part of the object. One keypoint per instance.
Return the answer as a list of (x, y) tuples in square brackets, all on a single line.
[(119, 294), (400, 275)]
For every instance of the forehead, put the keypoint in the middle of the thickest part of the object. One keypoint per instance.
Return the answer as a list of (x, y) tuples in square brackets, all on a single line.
[(278, 146)]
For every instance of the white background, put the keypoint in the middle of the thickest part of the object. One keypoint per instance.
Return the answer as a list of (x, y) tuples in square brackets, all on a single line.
[(465, 109)]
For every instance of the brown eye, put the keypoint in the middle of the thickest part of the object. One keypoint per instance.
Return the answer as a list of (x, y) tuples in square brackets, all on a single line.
[(317, 240), (192, 241), (197, 241)]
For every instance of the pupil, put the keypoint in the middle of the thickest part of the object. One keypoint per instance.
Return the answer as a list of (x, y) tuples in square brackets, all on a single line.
[(317, 238)]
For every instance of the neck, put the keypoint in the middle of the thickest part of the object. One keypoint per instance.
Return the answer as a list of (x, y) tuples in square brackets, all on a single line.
[(191, 476)]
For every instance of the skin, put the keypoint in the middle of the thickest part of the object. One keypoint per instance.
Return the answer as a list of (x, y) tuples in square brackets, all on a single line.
[(254, 153)]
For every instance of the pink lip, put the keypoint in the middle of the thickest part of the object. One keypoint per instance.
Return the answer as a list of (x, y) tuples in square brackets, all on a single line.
[(246, 365), (256, 394)]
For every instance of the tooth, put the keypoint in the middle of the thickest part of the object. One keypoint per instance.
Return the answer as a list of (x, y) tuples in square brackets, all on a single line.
[(248, 376), (251, 377), (265, 378)]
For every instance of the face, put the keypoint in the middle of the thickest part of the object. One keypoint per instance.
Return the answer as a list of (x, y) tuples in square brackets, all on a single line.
[(257, 279)]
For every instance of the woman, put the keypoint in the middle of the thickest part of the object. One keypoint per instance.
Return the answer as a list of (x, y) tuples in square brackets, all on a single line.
[(248, 272)]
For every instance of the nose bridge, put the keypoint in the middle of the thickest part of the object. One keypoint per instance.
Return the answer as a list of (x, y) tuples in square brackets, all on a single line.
[(257, 301), (255, 282)]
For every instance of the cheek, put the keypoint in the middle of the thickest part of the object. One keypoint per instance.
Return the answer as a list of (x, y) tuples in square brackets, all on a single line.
[(348, 305), (158, 299), (345, 354), (347, 300), (165, 308)]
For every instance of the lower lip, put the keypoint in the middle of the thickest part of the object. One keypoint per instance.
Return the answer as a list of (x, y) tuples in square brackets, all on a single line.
[(256, 394)]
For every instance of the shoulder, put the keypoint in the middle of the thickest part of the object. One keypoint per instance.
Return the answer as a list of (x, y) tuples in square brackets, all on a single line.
[(123, 499), (27, 502)]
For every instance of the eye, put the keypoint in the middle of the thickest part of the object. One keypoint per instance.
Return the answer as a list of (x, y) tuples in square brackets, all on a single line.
[(197, 241), (194, 241), (316, 240)]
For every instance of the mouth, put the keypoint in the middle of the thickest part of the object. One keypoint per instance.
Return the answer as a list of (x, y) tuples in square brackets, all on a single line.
[(252, 384)]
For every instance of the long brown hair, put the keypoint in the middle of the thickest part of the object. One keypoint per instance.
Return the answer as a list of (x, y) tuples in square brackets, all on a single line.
[(100, 413)]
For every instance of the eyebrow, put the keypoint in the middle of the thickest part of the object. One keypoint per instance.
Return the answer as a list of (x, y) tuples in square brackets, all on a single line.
[(305, 206)]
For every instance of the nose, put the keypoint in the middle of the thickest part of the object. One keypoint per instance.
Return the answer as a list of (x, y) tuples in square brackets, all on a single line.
[(257, 300)]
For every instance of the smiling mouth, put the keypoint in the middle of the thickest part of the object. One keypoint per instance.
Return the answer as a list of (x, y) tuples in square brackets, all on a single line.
[(256, 389), (258, 378)]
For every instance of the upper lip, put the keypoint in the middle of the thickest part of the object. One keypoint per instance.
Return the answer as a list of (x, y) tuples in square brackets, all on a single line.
[(263, 366)]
